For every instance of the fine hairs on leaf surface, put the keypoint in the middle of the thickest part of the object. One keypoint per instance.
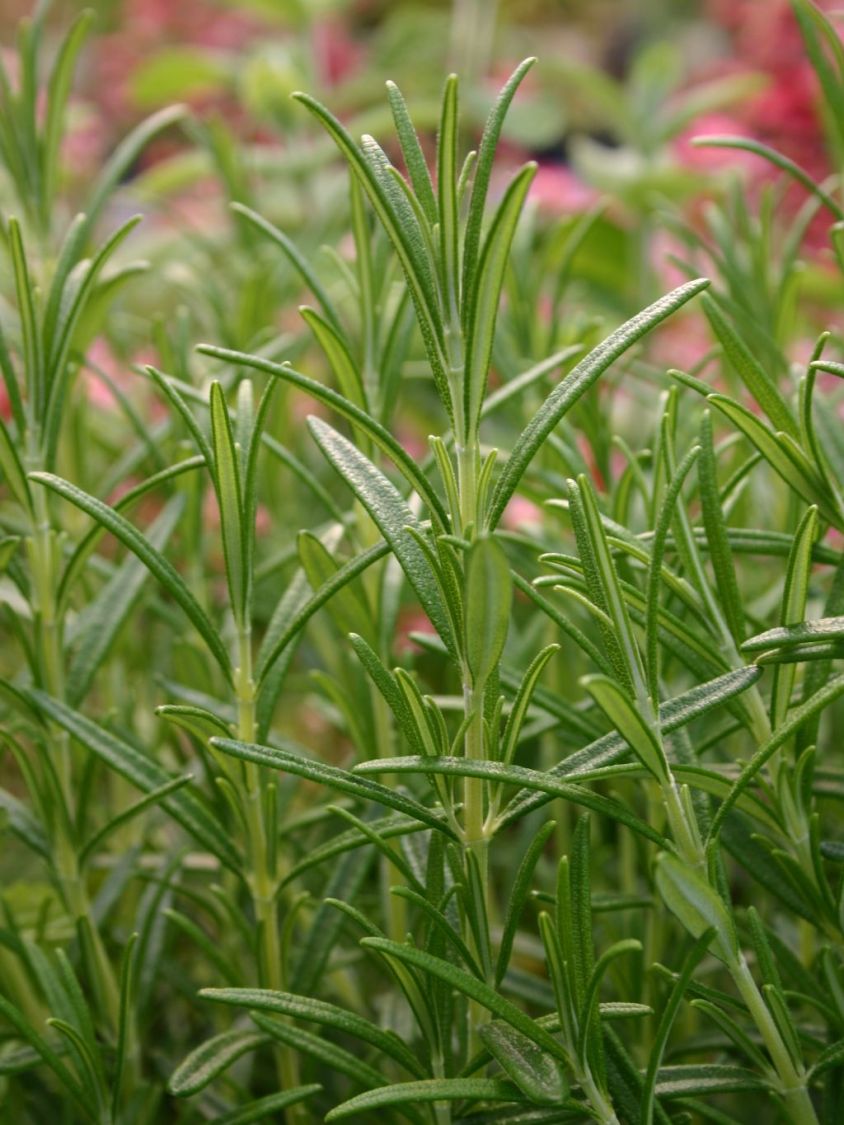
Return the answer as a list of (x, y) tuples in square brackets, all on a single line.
[(419, 702)]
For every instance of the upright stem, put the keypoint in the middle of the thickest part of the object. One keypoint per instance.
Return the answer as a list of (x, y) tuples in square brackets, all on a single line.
[(263, 876), (796, 1095), (48, 640)]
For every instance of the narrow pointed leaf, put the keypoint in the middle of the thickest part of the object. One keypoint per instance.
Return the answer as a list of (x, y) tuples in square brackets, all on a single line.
[(392, 516), (575, 385), (210, 1059), (155, 562), (489, 593), (486, 293), (430, 1090), (334, 778), (321, 1012), (143, 772), (539, 1076)]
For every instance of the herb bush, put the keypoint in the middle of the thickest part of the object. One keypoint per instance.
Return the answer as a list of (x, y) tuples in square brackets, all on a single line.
[(507, 791)]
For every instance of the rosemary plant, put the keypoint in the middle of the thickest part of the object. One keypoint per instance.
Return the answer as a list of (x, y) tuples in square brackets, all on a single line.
[(565, 847)]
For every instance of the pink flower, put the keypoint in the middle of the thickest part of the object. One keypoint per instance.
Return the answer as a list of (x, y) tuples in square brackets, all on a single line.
[(521, 514), (557, 190)]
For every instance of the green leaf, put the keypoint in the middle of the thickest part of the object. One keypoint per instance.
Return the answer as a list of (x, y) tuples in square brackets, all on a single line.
[(655, 571), (482, 314), (501, 774), (447, 200), (480, 186), (13, 470), (793, 608), (751, 372), (716, 534), (333, 1059), (673, 715), (708, 1078), (210, 1059), (155, 562), (748, 144), (489, 593), (575, 384), (58, 91), (666, 1021), (346, 371), (197, 721), (518, 897), (155, 797), (518, 711), (391, 515), (320, 1012), (539, 1076), (334, 778), (470, 986), (402, 228), (791, 636), (227, 484), (644, 741), (414, 158), (290, 619), (263, 1108), (429, 1090), (382, 438), (122, 159), (785, 457), (98, 625), (605, 589), (700, 908), (348, 608), (143, 772), (21, 1025), (797, 716)]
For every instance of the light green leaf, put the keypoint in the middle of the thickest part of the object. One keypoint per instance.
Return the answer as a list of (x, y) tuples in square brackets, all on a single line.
[(489, 593), (518, 711), (100, 622), (143, 772), (539, 1076), (785, 457), (230, 501), (391, 515), (268, 1106), (210, 1059), (708, 1079), (758, 382), (790, 636), (414, 158), (483, 173), (343, 365), (334, 778), (155, 562), (470, 986), (545, 783), (430, 1090), (716, 534), (382, 438), (197, 721), (628, 720), (666, 1021), (321, 1012), (481, 316), (575, 384), (793, 608), (698, 906)]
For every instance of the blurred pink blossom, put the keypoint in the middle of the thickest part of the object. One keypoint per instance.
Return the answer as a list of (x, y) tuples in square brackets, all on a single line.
[(557, 190)]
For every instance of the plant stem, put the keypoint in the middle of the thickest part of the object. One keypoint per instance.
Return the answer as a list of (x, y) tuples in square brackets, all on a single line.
[(797, 1100), (263, 877)]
